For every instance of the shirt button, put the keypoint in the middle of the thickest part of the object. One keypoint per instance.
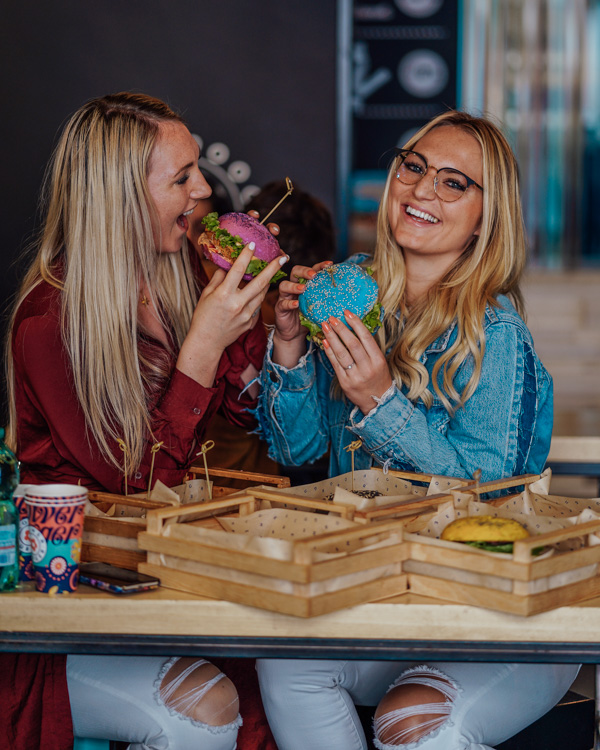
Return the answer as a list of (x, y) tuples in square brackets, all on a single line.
[(197, 410), (138, 474)]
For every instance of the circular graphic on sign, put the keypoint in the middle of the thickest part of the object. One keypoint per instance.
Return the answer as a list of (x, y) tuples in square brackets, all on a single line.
[(226, 180), (218, 153), (423, 73), (38, 545), (419, 8)]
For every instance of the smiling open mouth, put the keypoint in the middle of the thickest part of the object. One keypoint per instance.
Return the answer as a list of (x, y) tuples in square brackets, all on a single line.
[(182, 219), (421, 215)]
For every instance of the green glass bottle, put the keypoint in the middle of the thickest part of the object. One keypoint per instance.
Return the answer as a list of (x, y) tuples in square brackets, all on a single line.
[(9, 518)]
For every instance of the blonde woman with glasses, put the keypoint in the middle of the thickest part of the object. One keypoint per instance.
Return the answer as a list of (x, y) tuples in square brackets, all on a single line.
[(450, 384), (119, 354)]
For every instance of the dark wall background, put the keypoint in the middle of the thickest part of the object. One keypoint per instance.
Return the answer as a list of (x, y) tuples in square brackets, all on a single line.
[(258, 76)]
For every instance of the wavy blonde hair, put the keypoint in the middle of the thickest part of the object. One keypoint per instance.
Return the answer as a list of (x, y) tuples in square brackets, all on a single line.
[(491, 265), (96, 245)]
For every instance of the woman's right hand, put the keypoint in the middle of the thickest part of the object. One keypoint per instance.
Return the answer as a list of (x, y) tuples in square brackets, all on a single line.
[(224, 312), (287, 318), (289, 339)]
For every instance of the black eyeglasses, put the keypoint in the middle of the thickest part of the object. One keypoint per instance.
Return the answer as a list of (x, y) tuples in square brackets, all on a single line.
[(449, 184)]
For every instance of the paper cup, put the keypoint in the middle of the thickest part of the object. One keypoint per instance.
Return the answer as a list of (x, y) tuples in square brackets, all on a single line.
[(55, 514), (25, 563)]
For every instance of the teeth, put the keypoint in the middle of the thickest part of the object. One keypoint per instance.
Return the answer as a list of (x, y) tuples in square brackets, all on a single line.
[(187, 213), (421, 215)]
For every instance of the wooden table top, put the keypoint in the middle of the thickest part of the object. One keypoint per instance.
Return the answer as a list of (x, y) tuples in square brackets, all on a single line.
[(166, 612)]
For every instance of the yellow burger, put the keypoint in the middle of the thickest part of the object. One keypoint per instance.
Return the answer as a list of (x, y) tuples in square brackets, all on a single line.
[(486, 532)]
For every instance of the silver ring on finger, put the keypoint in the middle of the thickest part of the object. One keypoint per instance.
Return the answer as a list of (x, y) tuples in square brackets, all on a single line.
[(350, 366)]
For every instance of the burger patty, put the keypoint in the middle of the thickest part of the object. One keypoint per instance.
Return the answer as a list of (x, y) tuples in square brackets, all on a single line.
[(207, 238)]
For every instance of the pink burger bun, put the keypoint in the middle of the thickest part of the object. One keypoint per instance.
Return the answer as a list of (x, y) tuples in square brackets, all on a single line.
[(225, 237)]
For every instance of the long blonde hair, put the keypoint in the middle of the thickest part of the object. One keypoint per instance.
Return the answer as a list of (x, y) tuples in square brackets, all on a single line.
[(491, 265), (97, 246)]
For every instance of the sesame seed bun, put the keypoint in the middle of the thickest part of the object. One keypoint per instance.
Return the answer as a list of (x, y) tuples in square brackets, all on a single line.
[(344, 286)]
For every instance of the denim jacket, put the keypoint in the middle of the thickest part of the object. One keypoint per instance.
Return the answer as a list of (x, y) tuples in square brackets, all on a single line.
[(504, 429)]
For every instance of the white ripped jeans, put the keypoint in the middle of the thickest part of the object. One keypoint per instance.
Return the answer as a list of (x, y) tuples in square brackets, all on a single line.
[(310, 703), (154, 703)]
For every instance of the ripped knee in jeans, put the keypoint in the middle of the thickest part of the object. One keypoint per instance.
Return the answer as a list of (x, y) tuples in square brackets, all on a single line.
[(417, 704), (198, 690)]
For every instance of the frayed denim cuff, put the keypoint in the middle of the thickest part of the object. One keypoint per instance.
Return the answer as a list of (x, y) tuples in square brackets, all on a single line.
[(356, 412), (295, 378)]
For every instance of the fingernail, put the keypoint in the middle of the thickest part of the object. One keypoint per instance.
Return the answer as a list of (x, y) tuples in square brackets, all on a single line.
[(326, 327), (326, 344), (348, 314), (252, 245), (299, 287), (295, 303), (283, 259), (334, 321)]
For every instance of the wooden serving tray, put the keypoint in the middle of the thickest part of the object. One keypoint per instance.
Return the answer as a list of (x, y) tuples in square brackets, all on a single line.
[(520, 583), (306, 584), (114, 541)]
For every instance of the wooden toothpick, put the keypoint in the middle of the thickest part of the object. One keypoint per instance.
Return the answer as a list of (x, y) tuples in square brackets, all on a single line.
[(154, 450), (208, 445), (352, 448), (290, 188)]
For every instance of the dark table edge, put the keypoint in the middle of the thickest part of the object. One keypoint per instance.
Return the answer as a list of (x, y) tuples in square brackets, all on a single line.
[(298, 648)]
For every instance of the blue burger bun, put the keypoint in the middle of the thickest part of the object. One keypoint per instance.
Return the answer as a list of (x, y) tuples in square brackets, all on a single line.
[(344, 286)]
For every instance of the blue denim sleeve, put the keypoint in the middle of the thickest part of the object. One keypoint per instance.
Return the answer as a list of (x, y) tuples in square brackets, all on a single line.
[(292, 416), (494, 431)]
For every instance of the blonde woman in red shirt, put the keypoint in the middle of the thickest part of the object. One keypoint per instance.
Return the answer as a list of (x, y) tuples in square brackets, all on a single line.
[(113, 343)]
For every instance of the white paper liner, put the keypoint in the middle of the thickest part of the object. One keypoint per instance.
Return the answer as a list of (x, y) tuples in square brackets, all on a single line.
[(393, 489), (283, 523), (277, 549)]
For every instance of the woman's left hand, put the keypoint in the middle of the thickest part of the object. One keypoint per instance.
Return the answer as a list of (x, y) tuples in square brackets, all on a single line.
[(359, 363)]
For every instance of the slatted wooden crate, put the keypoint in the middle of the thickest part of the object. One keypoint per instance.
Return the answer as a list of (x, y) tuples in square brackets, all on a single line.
[(311, 580), (114, 540), (520, 583)]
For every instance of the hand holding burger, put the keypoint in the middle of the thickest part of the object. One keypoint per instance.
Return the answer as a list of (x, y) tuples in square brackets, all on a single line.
[(333, 290)]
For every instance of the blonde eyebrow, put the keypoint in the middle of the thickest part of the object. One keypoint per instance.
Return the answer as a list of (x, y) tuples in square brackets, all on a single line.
[(183, 169)]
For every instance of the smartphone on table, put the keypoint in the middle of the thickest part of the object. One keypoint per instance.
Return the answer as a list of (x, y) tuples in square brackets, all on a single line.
[(114, 579)]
